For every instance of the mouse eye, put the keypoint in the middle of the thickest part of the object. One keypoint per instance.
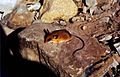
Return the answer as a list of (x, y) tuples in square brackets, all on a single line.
[(55, 36), (49, 39)]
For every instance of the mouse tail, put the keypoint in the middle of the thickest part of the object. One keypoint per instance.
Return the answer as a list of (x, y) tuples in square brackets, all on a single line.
[(83, 44)]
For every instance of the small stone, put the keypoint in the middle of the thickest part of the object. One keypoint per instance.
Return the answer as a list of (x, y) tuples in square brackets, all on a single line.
[(84, 27), (77, 18), (115, 63), (82, 18), (97, 11), (63, 23), (8, 30), (106, 7), (91, 5), (107, 51), (117, 46), (33, 7), (104, 20), (107, 37)]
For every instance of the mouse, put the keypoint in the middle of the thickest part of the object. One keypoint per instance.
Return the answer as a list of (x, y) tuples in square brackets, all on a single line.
[(60, 36)]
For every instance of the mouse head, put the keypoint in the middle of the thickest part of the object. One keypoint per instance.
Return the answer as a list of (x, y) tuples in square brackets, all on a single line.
[(49, 36), (56, 36)]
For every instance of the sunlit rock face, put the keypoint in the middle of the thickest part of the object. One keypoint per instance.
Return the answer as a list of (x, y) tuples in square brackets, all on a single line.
[(22, 17), (58, 9), (7, 6)]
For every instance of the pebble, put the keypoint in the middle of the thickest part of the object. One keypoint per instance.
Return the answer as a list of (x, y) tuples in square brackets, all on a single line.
[(106, 38)]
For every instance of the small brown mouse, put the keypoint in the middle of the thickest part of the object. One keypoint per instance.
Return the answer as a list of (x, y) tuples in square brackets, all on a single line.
[(59, 36)]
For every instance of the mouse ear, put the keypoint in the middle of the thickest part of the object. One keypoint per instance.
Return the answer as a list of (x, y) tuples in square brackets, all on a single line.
[(46, 31)]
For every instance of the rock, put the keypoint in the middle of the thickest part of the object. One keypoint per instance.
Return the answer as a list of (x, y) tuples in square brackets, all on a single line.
[(106, 7), (106, 38), (8, 30), (117, 46), (79, 3), (63, 23), (33, 7), (20, 17), (74, 19), (92, 60), (97, 11), (60, 55), (105, 66), (7, 6), (58, 9), (91, 5), (114, 67), (86, 6)]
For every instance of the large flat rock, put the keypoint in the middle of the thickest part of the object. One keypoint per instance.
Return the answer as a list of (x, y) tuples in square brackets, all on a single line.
[(59, 56)]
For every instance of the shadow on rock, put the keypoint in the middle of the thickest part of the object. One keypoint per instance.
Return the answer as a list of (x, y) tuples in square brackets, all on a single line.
[(16, 66)]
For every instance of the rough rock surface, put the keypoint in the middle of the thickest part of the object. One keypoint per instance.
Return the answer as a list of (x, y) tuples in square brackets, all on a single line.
[(61, 54), (20, 16), (94, 60)]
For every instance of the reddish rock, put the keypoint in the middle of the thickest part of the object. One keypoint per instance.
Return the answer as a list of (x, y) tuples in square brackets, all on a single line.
[(61, 54)]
